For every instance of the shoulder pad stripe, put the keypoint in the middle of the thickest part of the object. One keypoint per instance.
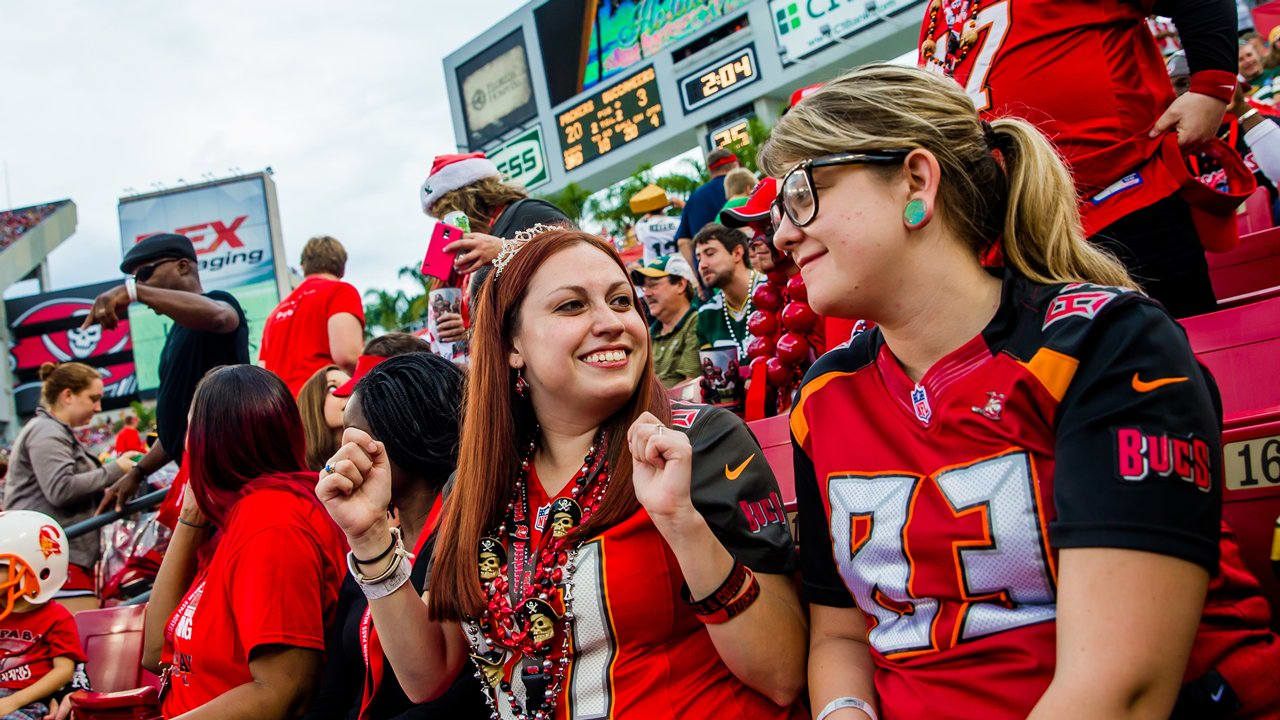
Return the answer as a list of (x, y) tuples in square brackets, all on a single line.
[(800, 425), (1053, 369)]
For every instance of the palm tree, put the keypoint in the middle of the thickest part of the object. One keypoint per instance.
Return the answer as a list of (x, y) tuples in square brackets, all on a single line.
[(571, 200), (386, 310)]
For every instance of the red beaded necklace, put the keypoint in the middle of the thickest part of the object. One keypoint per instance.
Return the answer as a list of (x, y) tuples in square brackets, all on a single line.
[(958, 47), (519, 621)]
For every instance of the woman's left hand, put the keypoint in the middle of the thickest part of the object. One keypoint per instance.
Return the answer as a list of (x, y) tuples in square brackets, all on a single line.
[(661, 467)]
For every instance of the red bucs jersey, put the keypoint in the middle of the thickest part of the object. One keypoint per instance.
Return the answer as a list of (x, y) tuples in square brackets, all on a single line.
[(1088, 74), (1078, 418), (637, 650)]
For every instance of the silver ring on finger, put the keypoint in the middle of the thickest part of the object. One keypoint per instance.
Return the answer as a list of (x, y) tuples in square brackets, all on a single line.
[(661, 427)]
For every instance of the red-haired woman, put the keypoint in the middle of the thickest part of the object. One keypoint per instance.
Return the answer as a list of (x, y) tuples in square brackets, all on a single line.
[(604, 553), (251, 577)]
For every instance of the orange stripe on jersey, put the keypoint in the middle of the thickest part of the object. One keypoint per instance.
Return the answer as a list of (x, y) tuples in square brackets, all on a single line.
[(1053, 369), (799, 424)]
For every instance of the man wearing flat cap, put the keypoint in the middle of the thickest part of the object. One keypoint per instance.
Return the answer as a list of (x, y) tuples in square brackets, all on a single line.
[(209, 329)]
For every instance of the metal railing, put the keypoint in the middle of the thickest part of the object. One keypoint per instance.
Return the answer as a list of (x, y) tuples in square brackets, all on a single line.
[(145, 502)]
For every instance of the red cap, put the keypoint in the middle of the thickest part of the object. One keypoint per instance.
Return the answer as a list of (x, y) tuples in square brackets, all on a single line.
[(442, 160), (363, 366), (726, 160), (803, 93), (1213, 211), (756, 209)]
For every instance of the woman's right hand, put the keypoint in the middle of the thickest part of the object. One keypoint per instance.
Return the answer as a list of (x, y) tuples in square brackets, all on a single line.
[(125, 463), (355, 487)]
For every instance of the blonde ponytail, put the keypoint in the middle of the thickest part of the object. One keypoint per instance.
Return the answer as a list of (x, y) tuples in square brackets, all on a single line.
[(1043, 239), (1008, 183)]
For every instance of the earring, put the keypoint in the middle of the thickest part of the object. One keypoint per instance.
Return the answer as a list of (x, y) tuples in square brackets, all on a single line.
[(915, 214), (522, 387)]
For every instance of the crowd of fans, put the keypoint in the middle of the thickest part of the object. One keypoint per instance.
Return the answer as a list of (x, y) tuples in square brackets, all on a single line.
[(14, 223), (572, 513)]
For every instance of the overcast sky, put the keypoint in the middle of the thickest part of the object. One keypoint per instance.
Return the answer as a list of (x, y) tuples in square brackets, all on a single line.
[(347, 105)]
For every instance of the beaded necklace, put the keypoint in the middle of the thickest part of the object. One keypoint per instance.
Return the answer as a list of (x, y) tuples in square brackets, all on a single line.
[(958, 46), (744, 310), (519, 618)]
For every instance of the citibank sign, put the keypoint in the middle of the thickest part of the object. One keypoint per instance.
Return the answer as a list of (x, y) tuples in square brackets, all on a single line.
[(797, 23)]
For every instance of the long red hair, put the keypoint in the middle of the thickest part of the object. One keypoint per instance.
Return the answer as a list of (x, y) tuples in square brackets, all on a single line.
[(496, 421)]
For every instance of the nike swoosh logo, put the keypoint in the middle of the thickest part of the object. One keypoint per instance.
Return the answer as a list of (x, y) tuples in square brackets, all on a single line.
[(1218, 695), (734, 473), (1144, 386)]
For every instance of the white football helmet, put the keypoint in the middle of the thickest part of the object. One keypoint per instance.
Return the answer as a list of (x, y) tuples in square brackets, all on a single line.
[(35, 549)]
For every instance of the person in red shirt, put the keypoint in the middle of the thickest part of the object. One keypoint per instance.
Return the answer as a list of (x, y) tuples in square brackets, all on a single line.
[(39, 643), (320, 323), (1090, 76), (603, 553), (128, 439), (236, 621), (1010, 490)]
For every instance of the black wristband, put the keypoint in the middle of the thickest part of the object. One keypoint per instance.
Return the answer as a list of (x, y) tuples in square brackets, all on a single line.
[(381, 555), (722, 596)]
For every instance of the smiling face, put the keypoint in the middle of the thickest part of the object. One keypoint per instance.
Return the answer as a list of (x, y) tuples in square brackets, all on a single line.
[(78, 408), (666, 297), (334, 405), (761, 254), (578, 337), (1250, 62), (851, 254)]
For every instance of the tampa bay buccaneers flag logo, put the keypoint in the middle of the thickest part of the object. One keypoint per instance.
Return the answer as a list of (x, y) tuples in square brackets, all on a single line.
[(49, 541)]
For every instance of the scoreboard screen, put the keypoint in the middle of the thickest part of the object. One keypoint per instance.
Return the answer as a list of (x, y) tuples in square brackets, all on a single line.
[(610, 119), (719, 78)]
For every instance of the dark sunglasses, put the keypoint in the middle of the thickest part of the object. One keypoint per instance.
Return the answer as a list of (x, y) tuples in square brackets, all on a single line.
[(796, 196), (145, 272)]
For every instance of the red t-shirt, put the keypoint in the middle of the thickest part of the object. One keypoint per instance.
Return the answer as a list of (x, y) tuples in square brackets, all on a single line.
[(295, 338), (128, 439), (273, 580), (30, 641), (1088, 74)]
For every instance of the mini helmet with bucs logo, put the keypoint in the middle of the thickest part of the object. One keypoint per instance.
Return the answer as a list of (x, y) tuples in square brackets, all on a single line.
[(34, 548)]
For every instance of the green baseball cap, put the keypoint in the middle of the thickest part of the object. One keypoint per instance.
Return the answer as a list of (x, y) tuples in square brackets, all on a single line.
[(662, 267)]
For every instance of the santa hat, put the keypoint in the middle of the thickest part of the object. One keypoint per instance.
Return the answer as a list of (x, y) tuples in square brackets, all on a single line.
[(450, 172)]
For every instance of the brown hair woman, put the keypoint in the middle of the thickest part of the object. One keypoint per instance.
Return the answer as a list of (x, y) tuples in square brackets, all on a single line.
[(603, 553), (321, 409)]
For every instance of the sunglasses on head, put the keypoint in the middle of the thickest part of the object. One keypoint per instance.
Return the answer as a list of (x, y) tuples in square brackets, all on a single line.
[(145, 272), (797, 198)]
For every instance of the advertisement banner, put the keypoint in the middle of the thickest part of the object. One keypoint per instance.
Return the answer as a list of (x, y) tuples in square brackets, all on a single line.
[(229, 226), (797, 23), (497, 92), (522, 159), (46, 328)]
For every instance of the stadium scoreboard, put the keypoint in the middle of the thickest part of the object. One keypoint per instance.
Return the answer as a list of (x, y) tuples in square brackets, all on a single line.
[(719, 78), (610, 119), (584, 92)]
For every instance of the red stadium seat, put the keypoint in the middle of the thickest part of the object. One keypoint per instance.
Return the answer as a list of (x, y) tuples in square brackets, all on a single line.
[(1240, 346), (774, 435), (112, 640), (1255, 213), (1252, 266), (1251, 496)]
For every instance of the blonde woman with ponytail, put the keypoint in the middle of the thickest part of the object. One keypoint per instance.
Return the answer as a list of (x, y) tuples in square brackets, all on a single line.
[(1010, 490)]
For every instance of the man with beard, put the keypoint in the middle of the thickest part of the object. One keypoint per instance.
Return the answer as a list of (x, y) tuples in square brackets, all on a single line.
[(667, 283), (722, 263)]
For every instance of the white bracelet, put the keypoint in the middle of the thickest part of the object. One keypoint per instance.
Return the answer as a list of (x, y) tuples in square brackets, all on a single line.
[(387, 583), (131, 287), (841, 703)]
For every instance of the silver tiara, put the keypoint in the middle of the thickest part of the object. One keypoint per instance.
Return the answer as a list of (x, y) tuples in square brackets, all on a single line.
[(512, 246)]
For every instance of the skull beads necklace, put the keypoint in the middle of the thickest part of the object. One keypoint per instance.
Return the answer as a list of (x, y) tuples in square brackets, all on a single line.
[(519, 622)]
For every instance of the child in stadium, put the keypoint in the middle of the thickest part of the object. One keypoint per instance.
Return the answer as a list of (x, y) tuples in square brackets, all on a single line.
[(39, 644), (1010, 490)]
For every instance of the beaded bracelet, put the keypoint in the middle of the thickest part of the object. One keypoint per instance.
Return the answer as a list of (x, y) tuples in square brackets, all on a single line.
[(727, 591)]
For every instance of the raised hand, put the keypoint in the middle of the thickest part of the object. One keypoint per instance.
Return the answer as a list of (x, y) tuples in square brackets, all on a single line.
[(106, 308), (661, 467), (355, 487)]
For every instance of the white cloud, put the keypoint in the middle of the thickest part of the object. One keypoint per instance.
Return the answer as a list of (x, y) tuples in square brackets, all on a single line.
[(345, 102)]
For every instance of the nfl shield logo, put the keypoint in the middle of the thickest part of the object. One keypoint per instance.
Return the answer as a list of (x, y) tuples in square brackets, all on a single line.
[(920, 401)]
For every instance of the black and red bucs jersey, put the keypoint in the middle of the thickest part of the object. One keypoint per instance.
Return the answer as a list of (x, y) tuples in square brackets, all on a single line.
[(637, 649), (1078, 418), (1088, 74)]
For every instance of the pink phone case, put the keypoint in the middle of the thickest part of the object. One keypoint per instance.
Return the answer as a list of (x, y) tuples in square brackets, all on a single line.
[(438, 263)]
